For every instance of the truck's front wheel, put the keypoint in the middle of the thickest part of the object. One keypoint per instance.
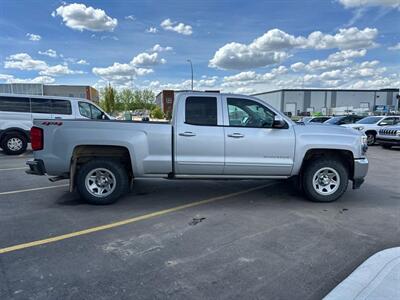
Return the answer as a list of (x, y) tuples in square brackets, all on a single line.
[(102, 181), (325, 180)]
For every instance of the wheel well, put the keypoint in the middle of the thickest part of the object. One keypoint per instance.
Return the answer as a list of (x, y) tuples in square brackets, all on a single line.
[(84, 153), (345, 156), (11, 130), (371, 131)]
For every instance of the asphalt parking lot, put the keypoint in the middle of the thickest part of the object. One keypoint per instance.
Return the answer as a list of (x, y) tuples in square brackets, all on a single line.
[(232, 240)]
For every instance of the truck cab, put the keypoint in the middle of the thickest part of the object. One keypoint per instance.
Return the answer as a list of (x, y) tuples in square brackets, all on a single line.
[(231, 135)]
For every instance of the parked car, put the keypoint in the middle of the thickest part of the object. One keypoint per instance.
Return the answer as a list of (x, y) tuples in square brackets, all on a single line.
[(314, 120), (372, 124), (342, 120), (389, 136), (17, 113), (211, 135)]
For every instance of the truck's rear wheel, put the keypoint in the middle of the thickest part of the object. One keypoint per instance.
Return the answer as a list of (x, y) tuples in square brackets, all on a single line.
[(14, 143), (102, 181), (325, 180)]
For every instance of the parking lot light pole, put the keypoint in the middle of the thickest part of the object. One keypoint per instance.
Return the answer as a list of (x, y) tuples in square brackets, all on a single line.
[(191, 69)]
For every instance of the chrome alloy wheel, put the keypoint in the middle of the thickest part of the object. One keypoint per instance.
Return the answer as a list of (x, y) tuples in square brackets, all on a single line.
[(100, 182), (14, 144), (326, 181)]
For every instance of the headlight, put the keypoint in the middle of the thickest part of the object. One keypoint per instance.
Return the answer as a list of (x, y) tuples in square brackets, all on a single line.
[(364, 145), (359, 128), (363, 139)]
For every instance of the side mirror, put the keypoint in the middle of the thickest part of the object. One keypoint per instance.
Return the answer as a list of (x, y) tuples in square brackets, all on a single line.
[(383, 123), (278, 123)]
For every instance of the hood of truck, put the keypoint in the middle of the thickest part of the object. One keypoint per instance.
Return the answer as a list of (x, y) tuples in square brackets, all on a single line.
[(327, 130)]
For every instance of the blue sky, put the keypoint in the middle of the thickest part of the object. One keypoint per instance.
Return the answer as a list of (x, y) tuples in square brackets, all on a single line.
[(236, 46)]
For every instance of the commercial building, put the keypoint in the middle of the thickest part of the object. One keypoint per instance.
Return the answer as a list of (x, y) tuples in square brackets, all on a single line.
[(165, 99), (297, 102), (76, 91)]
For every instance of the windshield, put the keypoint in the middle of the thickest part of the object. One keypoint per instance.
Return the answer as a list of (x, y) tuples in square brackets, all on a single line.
[(369, 120), (333, 120)]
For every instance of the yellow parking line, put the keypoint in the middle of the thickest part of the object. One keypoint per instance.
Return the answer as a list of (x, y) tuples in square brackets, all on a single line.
[(127, 221), (33, 189), (11, 169)]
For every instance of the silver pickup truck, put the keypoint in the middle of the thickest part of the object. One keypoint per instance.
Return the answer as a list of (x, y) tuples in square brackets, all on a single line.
[(211, 135)]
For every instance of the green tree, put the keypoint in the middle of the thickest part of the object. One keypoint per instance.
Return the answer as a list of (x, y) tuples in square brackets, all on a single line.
[(108, 96), (126, 98), (156, 113)]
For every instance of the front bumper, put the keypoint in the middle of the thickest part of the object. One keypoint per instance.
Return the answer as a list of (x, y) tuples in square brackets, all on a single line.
[(36, 167), (392, 142), (360, 171)]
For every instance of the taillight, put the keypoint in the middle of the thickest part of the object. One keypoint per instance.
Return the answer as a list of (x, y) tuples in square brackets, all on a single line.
[(36, 138)]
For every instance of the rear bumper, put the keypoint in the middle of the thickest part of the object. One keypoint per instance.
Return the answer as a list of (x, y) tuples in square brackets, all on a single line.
[(392, 142), (36, 167), (360, 171)]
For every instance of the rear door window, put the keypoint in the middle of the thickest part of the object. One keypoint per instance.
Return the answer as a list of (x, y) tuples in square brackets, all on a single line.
[(61, 107), (15, 104), (201, 111)]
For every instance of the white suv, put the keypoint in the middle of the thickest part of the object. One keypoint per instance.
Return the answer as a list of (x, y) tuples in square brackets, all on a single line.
[(371, 125), (17, 113)]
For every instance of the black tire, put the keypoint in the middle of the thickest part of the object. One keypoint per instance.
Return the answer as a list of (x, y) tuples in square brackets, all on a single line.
[(385, 146), (371, 138), (8, 143), (310, 172), (117, 190)]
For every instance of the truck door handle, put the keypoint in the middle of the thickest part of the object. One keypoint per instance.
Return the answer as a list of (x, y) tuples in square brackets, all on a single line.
[(236, 135), (187, 133)]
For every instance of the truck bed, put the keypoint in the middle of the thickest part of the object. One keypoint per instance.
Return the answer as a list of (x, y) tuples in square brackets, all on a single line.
[(149, 143)]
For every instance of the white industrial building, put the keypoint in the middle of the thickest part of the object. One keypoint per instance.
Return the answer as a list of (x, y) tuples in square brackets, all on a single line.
[(296, 102)]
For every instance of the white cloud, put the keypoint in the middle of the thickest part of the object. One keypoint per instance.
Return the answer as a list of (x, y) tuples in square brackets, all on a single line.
[(130, 17), (253, 77), (273, 46), (145, 60), (80, 17), (159, 48), (181, 28), (335, 60), (6, 77), (395, 47), (242, 76), (204, 83), (59, 70), (151, 30), (236, 56), (34, 37), (39, 79), (122, 74), (347, 38), (296, 67), (363, 3), (24, 61), (49, 52), (244, 90), (82, 62), (347, 54)]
